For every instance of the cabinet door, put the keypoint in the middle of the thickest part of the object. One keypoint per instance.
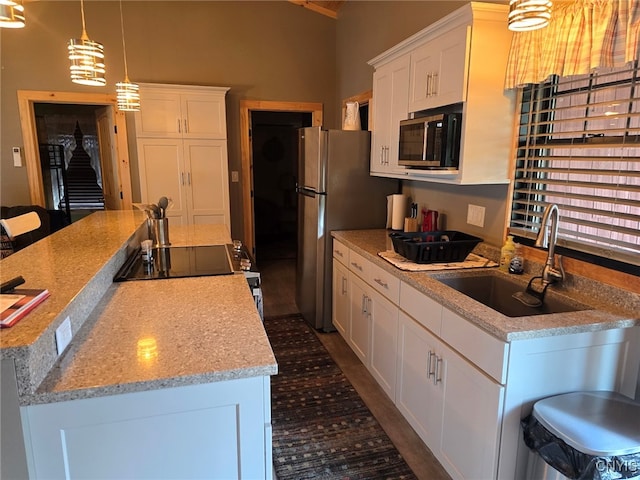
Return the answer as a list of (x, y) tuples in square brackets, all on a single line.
[(439, 71), (162, 174), (159, 114), (359, 334), (340, 314), (471, 418), (203, 116), (390, 96), (169, 112), (417, 396), (384, 336), (214, 431), (207, 182)]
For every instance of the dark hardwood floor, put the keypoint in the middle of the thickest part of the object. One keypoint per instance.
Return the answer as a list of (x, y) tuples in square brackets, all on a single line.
[(278, 283)]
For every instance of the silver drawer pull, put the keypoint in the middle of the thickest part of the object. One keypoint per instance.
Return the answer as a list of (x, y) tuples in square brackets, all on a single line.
[(437, 378), (339, 253), (356, 265), (381, 283), (430, 370)]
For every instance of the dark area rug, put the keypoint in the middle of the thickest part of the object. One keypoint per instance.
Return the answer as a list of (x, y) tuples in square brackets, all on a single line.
[(321, 427)]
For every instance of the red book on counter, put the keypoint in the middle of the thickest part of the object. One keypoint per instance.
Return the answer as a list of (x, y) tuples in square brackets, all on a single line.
[(15, 305)]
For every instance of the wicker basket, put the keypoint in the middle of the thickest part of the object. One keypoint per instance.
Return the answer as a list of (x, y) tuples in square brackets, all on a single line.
[(434, 247)]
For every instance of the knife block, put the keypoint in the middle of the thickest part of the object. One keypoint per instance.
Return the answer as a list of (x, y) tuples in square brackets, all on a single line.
[(410, 224)]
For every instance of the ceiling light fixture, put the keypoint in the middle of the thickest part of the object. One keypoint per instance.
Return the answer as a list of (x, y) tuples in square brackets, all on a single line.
[(525, 15), (127, 93), (87, 58), (11, 14)]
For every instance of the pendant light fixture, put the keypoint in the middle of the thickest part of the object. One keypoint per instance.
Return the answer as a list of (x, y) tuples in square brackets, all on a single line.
[(87, 58), (11, 14), (525, 15), (127, 93)]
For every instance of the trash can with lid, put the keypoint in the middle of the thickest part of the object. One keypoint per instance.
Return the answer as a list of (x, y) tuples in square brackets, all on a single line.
[(584, 436)]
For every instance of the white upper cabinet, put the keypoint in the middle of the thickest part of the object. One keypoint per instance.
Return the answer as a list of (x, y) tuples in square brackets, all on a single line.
[(438, 73), (390, 93), (461, 58), (184, 111)]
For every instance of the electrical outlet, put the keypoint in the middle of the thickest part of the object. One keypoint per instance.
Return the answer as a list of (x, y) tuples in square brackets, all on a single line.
[(63, 335), (475, 215), (234, 176)]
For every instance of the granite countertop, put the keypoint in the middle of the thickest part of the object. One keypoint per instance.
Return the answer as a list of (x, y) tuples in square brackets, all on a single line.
[(128, 336), (611, 308)]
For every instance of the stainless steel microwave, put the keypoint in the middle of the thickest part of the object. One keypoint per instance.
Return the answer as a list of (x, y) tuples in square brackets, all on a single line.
[(431, 141)]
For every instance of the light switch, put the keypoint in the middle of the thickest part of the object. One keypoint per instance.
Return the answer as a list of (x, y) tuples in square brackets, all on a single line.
[(17, 157)]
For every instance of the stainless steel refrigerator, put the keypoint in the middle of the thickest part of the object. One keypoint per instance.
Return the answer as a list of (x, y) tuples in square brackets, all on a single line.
[(335, 192)]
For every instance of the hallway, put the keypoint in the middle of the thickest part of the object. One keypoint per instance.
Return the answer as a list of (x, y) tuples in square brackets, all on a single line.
[(278, 283)]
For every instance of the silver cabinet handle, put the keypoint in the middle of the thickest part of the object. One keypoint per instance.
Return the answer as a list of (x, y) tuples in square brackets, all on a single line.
[(382, 155), (188, 178), (430, 370), (381, 283), (364, 304), (434, 84), (186, 130), (338, 253), (356, 266), (428, 86), (179, 130), (437, 378), (344, 285), (182, 178)]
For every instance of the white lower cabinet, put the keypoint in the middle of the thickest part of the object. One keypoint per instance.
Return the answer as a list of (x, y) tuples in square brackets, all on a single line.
[(384, 335), (434, 387), (417, 395), (191, 173), (463, 390), (359, 334), (218, 430), (472, 407), (340, 307)]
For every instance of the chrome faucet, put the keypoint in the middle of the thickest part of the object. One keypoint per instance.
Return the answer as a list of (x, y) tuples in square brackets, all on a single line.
[(550, 273)]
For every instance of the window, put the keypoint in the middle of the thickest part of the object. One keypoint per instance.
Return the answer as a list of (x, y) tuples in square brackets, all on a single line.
[(579, 147)]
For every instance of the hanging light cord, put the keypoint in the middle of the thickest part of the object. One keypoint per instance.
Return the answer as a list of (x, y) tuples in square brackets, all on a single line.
[(124, 49), (84, 30)]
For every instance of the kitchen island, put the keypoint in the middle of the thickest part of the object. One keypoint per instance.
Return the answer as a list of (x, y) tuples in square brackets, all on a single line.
[(171, 377), (465, 375)]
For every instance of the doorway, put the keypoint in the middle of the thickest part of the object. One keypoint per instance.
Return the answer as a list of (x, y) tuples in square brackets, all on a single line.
[(275, 171), (276, 124), (70, 148), (111, 131)]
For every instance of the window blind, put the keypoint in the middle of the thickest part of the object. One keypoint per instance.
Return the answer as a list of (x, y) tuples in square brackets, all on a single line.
[(579, 147)]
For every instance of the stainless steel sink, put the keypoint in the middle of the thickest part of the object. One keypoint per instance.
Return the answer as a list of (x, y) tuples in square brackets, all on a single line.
[(496, 292)]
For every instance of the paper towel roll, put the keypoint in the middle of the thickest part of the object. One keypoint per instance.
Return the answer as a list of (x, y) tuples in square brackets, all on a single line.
[(398, 211)]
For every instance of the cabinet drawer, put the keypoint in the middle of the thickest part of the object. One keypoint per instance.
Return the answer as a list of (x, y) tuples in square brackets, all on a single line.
[(421, 308), (385, 282), (485, 351), (340, 252), (359, 265)]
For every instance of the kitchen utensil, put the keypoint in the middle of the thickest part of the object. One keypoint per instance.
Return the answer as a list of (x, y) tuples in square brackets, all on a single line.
[(155, 210), (163, 203)]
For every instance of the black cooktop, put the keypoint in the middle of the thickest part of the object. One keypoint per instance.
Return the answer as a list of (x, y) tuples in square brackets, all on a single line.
[(177, 262)]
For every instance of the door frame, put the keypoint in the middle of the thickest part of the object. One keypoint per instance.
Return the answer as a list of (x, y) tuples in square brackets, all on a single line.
[(246, 107), (26, 101)]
